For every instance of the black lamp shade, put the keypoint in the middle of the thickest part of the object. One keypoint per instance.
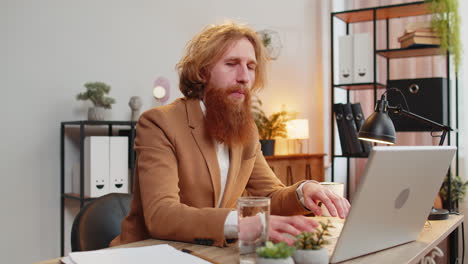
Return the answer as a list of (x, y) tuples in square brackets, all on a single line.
[(378, 128)]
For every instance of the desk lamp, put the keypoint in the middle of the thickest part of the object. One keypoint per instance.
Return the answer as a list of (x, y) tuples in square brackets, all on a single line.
[(298, 129), (379, 128)]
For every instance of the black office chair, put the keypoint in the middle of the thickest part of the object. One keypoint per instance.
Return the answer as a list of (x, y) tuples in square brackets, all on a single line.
[(99, 222)]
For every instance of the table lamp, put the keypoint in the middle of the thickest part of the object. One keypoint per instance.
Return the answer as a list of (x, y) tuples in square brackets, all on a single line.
[(298, 129), (379, 128)]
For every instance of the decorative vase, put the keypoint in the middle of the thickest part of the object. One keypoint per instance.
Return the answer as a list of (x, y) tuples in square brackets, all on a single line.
[(309, 256), (96, 113), (268, 147), (261, 260)]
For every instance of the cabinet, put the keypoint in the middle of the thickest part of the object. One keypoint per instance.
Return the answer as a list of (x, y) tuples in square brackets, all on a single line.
[(386, 14), (296, 167), (83, 126)]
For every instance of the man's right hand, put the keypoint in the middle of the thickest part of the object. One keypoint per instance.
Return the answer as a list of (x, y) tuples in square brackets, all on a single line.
[(292, 225)]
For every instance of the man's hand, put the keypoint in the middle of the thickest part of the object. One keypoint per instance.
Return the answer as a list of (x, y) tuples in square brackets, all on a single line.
[(314, 193), (250, 228), (292, 225)]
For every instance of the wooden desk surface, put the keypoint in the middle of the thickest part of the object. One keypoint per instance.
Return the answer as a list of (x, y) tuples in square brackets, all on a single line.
[(412, 252)]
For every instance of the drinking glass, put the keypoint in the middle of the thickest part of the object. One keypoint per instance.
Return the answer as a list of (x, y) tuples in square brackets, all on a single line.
[(253, 216)]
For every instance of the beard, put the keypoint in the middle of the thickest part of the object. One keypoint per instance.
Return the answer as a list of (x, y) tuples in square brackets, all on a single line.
[(228, 120)]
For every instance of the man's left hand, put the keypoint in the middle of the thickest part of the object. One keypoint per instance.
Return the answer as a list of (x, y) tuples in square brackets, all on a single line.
[(314, 193)]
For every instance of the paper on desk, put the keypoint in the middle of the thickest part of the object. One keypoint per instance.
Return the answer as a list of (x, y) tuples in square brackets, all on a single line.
[(157, 253)]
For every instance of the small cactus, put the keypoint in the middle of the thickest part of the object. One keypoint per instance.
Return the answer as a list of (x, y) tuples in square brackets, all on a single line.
[(314, 240)]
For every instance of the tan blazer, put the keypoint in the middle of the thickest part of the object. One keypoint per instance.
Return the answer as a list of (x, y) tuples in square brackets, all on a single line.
[(177, 179)]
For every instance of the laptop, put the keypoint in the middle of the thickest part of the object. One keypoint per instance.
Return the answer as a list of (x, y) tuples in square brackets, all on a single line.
[(394, 198)]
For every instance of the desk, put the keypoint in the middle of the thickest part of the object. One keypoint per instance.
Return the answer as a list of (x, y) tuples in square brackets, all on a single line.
[(411, 252)]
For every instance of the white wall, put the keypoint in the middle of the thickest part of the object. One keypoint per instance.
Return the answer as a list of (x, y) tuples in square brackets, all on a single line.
[(50, 48)]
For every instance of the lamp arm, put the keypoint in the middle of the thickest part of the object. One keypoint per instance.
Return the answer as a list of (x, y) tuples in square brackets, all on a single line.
[(399, 110)]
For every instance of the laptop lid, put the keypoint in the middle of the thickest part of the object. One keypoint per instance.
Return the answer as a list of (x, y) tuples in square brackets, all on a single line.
[(393, 199)]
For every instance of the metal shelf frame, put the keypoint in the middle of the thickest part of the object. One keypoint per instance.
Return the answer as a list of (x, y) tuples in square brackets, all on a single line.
[(386, 13), (80, 196)]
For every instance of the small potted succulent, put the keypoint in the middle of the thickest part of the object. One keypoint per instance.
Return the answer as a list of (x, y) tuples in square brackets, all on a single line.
[(309, 246), (271, 253), (457, 192), (95, 92)]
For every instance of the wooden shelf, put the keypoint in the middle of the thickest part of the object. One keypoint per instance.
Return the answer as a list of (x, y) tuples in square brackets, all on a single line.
[(97, 123), (384, 12), (410, 52), (76, 196), (295, 156), (359, 86), (363, 155)]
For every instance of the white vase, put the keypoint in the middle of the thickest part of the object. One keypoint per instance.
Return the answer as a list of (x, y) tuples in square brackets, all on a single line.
[(287, 260), (96, 113), (318, 256)]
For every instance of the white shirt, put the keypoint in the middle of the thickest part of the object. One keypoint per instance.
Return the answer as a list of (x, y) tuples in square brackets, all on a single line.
[(222, 153)]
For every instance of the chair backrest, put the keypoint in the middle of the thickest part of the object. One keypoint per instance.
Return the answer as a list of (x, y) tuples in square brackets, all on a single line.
[(99, 222)]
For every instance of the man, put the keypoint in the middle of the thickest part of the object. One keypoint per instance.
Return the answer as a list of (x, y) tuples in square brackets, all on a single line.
[(196, 156)]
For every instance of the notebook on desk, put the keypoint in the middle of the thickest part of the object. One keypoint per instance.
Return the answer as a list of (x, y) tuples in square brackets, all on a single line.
[(393, 200), (148, 254)]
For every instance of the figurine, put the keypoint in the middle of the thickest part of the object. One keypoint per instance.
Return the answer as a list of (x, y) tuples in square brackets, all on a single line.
[(135, 104)]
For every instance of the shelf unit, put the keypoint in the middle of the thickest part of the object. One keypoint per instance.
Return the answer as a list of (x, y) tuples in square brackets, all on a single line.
[(385, 13), (80, 196)]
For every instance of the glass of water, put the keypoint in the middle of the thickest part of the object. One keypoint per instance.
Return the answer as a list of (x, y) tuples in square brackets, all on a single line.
[(254, 214)]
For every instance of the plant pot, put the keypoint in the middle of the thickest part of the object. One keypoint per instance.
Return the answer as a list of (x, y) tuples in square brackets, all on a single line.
[(268, 147), (261, 260), (96, 113), (317, 256)]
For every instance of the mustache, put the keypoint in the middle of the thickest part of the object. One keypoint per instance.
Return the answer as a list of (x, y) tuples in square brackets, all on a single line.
[(243, 89)]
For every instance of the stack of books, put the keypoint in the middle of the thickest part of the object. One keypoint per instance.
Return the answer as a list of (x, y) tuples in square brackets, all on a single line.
[(419, 34)]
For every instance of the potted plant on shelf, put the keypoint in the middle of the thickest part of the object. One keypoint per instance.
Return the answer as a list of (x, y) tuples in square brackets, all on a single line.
[(309, 246), (270, 127), (95, 92), (457, 192), (271, 253), (446, 22)]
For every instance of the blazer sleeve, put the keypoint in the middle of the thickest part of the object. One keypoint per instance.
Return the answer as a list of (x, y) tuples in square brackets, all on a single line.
[(263, 182), (164, 215)]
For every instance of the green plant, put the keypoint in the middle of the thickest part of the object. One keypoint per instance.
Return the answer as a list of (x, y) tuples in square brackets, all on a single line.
[(457, 189), (95, 92), (273, 126), (314, 240), (275, 251), (446, 22)]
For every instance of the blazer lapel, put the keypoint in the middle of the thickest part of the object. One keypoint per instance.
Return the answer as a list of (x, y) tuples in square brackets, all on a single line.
[(205, 143), (235, 159)]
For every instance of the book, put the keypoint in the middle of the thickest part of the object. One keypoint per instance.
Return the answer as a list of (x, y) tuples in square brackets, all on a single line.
[(418, 26), (418, 41), (418, 34)]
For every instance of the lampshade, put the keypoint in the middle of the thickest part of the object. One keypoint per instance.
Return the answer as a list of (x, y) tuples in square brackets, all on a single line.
[(298, 129), (379, 127)]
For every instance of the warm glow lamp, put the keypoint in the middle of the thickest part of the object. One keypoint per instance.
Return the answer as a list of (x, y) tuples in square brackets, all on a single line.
[(298, 129)]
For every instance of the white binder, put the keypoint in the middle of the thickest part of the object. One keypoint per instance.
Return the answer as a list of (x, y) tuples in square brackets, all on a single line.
[(118, 165), (345, 53), (96, 164), (363, 69)]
